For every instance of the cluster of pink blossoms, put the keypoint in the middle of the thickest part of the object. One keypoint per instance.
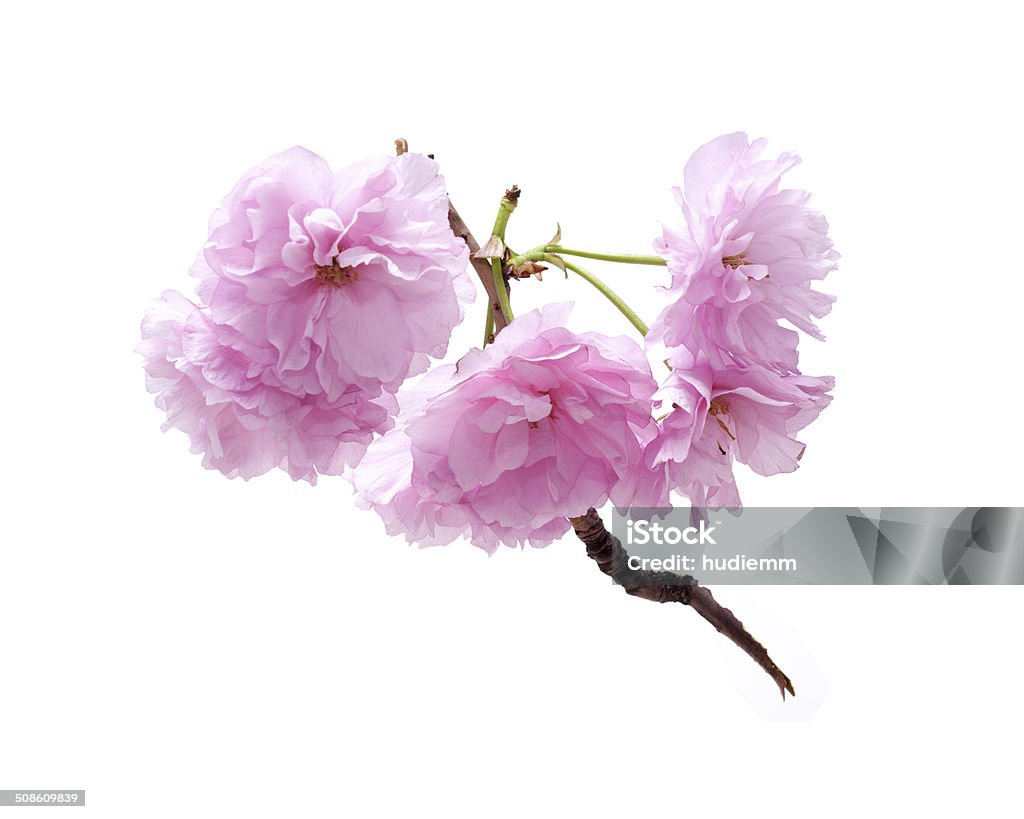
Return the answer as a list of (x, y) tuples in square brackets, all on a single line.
[(744, 262), (320, 293), (537, 427)]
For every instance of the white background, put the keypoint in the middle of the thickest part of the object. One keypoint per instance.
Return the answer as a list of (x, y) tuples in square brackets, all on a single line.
[(183, 645)]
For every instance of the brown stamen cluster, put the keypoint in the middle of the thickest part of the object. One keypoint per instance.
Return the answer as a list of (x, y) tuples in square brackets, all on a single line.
[(334, 275), (719, 406), (739, 260)]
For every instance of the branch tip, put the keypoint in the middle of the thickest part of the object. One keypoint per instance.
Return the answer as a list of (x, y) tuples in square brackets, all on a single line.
[(666, 587)]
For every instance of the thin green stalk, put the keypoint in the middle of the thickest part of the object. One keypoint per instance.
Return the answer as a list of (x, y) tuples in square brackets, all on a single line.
[(499, 284), (624, 258), (504, 212), (609, 294), (505, 209), (489, 326)]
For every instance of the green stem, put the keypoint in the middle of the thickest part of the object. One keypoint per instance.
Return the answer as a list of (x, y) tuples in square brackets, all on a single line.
[(609, 294), (499, 284), (501, 220), (538, 253), (624, 258), (505, 209), (488, 326)]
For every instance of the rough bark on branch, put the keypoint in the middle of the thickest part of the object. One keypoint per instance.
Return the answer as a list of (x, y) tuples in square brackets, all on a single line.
[(665, 587)]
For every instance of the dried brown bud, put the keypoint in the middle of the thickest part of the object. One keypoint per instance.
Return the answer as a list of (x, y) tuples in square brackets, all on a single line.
[(527, 269)]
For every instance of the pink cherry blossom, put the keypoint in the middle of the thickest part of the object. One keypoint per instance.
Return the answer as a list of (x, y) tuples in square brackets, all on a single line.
[(750, 415), (502, 448), (242, 425), (745, 260), (336, 281)]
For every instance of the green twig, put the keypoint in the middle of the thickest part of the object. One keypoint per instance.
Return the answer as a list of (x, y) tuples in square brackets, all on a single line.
[(489, 328), (502, 288), (495, 250), (608, 293), (624, 258), (539, 253)]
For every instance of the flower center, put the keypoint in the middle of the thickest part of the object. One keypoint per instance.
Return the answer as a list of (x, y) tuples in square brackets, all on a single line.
[(551, 412), (737, 261), (719, 406), (334, 275)]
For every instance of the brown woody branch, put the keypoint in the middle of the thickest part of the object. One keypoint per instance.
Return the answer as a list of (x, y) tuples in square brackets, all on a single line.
[(606, 550), (481, 266), (665, 587)]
